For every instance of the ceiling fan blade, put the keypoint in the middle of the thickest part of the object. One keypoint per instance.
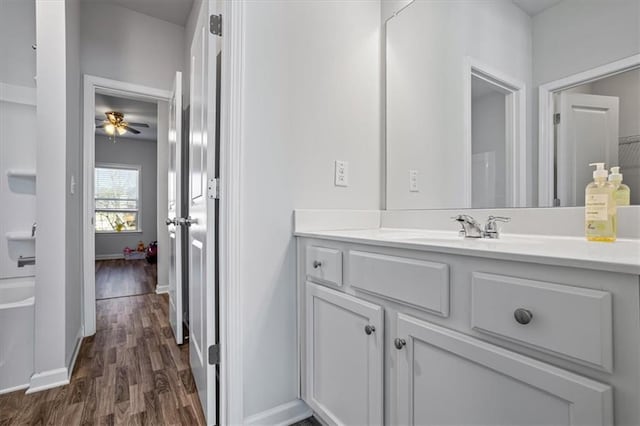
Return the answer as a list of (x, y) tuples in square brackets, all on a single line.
[(100, 126), (132, 130), (139, 125)]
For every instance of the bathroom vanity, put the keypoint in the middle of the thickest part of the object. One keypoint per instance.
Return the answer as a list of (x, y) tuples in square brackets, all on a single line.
[(402, 326)]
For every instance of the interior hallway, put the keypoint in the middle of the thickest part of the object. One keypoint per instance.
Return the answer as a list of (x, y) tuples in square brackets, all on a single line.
[(130, 371), (120, 277)]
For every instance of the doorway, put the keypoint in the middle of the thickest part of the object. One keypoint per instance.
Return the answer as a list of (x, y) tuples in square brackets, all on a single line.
[(118, 213), (495, 110)]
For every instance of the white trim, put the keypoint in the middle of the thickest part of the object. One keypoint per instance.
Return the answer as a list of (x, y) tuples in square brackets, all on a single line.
[(18, 94), (284, 414), (162, 288), (545, 118), (14, 388), (74, 354), (48, 379), (231, 141), (93, 84), (109, 256), (516, 131)]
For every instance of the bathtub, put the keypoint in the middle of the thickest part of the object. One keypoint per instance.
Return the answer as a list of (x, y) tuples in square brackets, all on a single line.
[(16, 333)]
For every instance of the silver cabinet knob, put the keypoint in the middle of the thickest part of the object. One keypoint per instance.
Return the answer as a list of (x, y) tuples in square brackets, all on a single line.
[(173, 221), (399, 343), (369, 329), (523, 316), (317, 264)]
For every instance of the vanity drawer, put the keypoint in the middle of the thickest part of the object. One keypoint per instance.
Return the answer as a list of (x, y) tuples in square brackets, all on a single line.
[(324, 265), (567, 321), (418, 283)]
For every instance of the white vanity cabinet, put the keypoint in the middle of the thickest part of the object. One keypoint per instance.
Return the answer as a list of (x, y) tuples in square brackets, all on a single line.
[(344, 341), (462, 339), (446, 377)]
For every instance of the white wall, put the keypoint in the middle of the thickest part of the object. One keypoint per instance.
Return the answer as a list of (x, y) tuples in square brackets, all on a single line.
[(50, 294), (121, 44), (137, 153), (577, 35), (312, 95), (426, 48)]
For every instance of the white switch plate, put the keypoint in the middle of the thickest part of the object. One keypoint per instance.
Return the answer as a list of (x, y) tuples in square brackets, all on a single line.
[(72, 185), (413, 181), (341, 173)]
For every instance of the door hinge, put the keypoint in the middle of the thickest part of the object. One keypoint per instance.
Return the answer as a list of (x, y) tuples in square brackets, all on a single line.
[(556, 118), (213, 189), (215, 24), (214, 354)]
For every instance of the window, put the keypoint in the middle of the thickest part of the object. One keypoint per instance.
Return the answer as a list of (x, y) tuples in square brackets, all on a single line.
[(117, 198)]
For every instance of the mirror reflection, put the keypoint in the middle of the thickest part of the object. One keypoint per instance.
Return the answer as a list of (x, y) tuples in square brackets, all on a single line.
[(504, 103)]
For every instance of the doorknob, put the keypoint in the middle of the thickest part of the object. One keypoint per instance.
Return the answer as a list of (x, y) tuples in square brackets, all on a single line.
[(173, 221), (188, 221)]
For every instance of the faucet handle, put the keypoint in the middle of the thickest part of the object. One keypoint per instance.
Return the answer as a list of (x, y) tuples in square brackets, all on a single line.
[(498, 219), (491, 228)]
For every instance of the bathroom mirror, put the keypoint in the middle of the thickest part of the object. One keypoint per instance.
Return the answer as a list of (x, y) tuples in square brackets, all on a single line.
[(504, 103)]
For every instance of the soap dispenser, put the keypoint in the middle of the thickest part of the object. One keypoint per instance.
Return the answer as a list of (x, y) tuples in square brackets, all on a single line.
[(622, 193), (600, 207)]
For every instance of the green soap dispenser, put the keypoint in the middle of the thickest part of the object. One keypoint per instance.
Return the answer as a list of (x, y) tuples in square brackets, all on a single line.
[(622, 193), (600, 207)]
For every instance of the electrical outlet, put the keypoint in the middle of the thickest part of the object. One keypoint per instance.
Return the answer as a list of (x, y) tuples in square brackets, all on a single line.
[(341, 173), (413, 181)]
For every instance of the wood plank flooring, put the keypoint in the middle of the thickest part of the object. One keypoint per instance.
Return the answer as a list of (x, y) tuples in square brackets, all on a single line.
[(120, 277), (130, 372)]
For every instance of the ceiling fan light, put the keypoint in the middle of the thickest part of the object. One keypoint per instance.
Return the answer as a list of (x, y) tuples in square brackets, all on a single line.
[(121, 130), (110, 129)]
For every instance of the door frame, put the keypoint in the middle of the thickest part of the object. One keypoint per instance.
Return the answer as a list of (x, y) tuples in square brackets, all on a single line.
[(230, 213), (515, 132), (92, 85), (546, 151)]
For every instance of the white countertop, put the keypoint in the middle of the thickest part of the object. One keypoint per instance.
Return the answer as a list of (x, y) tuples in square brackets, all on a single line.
[(621, 256)]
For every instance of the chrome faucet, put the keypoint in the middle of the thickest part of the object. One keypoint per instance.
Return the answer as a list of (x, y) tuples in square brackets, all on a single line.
[(471, 228)]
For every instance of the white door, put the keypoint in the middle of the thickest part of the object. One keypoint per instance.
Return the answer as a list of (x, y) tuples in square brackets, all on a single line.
[(344, 347), (202, 273), (445, 377), (587, 133), (174, 210)]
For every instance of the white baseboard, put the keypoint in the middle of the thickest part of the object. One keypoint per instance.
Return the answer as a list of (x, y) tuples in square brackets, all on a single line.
[(48, 379), (13, 389), (109, 256), (162, 288), (74, 355), (284, 414)]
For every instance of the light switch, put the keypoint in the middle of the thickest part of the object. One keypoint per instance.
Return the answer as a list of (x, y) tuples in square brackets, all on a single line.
[(72, 185), (341, 173), (413, 181)]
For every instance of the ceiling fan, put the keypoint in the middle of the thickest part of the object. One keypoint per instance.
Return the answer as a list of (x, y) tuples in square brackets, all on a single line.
[(116, 125)]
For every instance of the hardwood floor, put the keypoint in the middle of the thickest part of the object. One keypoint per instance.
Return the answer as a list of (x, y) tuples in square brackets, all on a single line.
[(120, 277), (129, 372)]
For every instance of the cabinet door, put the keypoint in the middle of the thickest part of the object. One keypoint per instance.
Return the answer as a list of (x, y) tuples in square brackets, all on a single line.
[(344, 344), (445, 377)]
